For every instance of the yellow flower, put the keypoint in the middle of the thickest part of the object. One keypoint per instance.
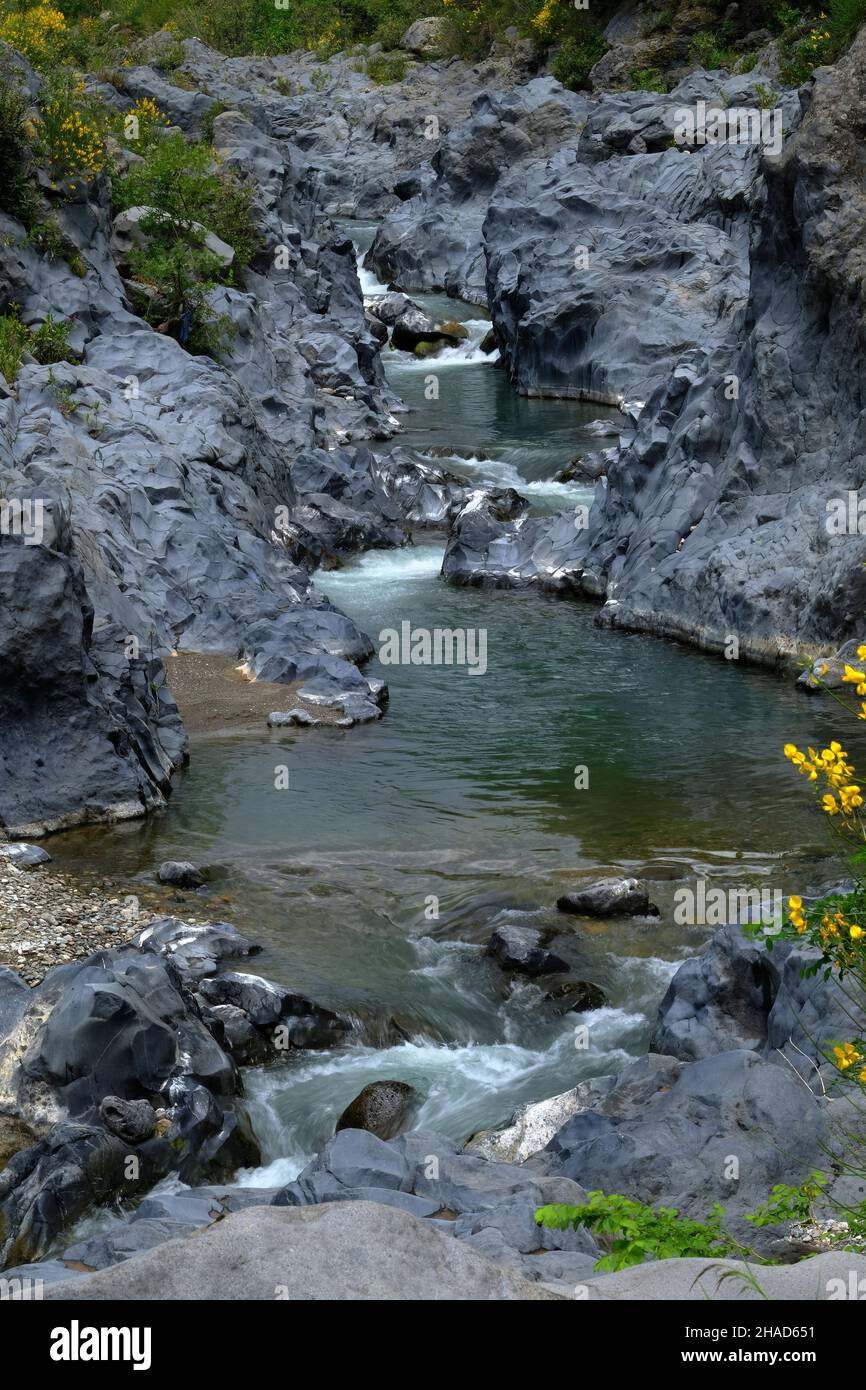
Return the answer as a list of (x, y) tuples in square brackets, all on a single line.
[(855, 932), (846, 1055), (829, 804)]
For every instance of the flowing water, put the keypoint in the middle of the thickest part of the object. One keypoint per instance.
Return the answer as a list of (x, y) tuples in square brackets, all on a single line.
[(374, 881)]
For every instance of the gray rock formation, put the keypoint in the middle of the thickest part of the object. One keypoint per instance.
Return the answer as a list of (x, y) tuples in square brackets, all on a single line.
[(667, 1132), (357, 1251), (739, 994)]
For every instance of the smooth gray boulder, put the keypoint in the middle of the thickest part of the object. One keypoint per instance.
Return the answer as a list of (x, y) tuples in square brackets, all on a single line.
[(350, 1251)]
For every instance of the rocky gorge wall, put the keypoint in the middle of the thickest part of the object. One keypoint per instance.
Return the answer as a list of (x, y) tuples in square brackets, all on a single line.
[(713, 291)]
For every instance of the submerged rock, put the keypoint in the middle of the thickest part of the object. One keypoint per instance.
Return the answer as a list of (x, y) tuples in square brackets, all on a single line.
[(577, 996), (384, 1108), (299, 718)]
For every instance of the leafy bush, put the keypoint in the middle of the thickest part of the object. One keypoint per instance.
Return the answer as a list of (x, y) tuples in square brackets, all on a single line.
[(647, 80), (837, 27), (790, 1204), (16, 156), (207, 120), (48, 343), (180, 272), (188, 197), (38, 31), (141, 125), (844, 19), (13, 341), (181, 181), (69, 130), (787, 17), (634, 1232), (706, 52), (576, 58), (387, 67)]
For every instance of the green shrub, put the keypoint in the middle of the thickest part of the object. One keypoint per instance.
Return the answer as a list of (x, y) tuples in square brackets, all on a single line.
[(387, 67), (706, 52), (180, 180), (70, 128), (634, 1232), (787, 17), (844, 19), (189, 197), (576, 58), (647, 80), (180, 273), (765, 96), (791, 1204), (48, 343), (13, 341), (207, 120), (17, 196)]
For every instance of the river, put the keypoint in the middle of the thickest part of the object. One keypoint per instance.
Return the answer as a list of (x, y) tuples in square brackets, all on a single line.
[(374, 882)]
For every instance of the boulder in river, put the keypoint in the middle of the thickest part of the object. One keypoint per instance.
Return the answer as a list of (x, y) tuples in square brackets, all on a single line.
[(609, 897), (520, 949), (414, 326), (384, 1108), (180, 873), (271, 1006)]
